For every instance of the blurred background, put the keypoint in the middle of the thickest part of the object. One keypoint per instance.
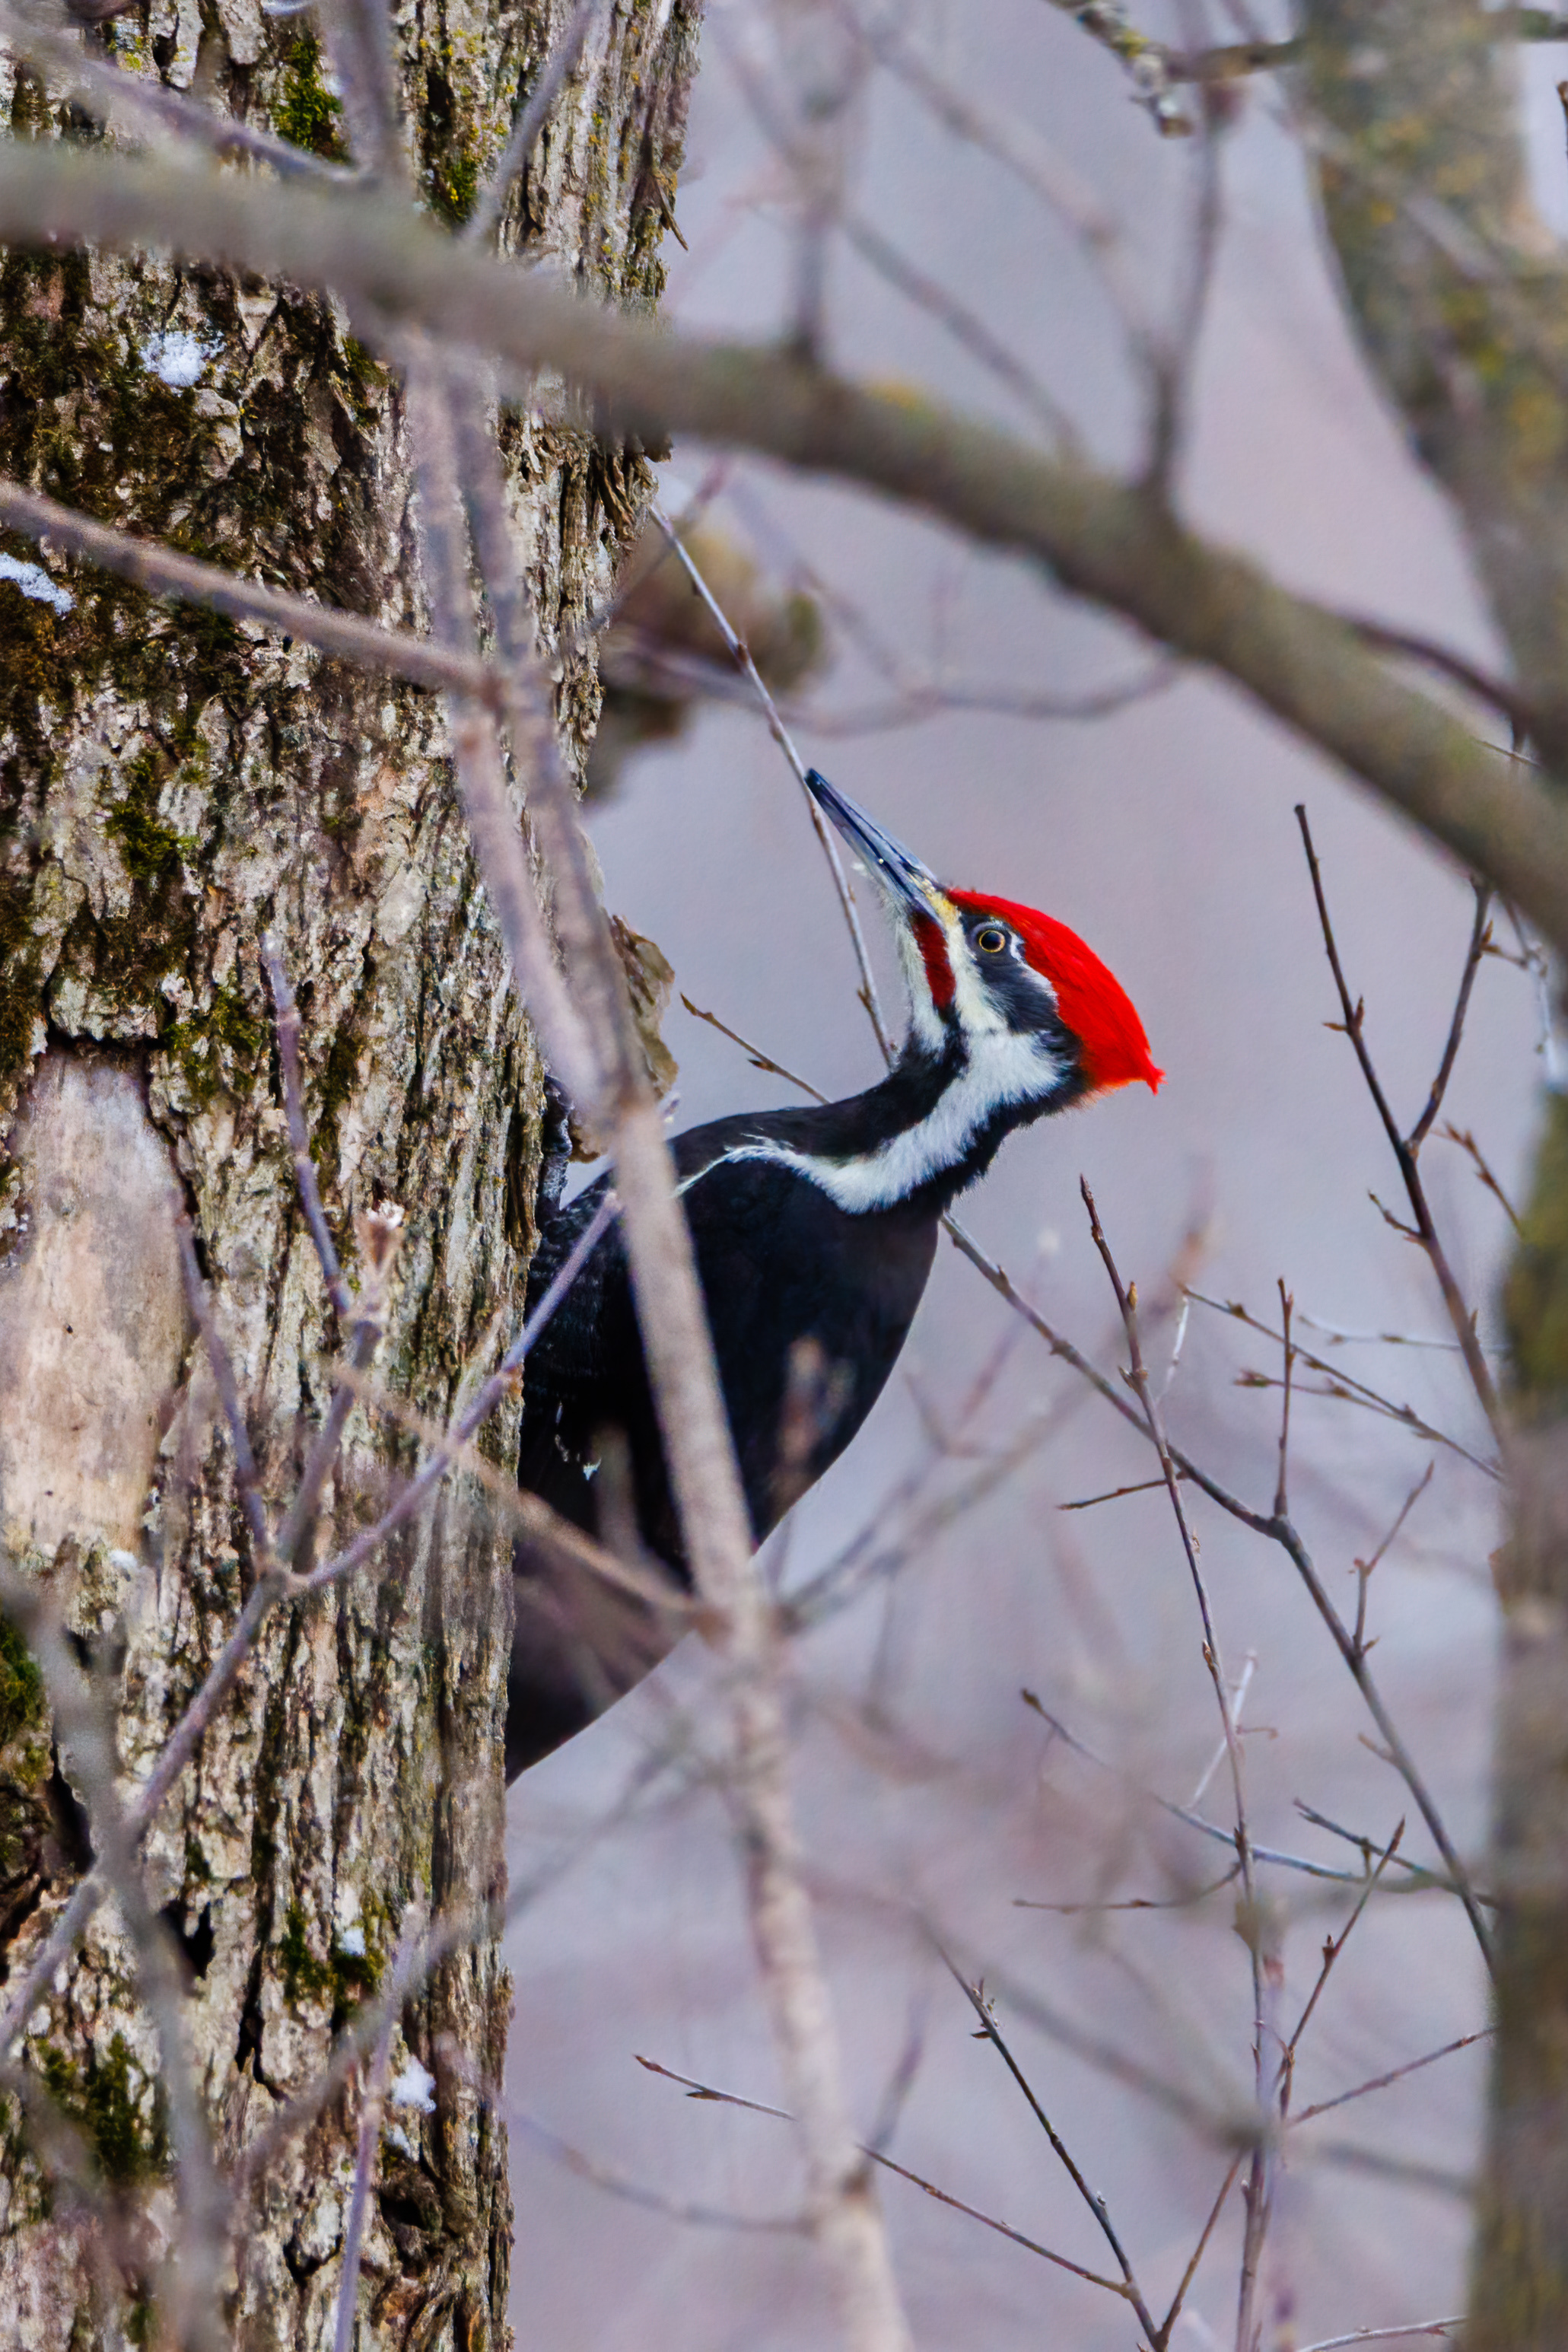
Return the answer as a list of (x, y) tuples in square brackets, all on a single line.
[(933, 1798)]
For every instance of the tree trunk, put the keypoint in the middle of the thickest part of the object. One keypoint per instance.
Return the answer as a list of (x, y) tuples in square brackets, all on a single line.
[(170, 787), (1418, 97)]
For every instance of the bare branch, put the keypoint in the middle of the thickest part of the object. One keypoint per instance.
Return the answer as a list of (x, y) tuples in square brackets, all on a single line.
[(985, 2011), (1440, 2328), (162, 573), (374, 2101), (781, 736), (877, 2156), (287, 1024), (1395, 2075), (1100, 537), (1406, 1148)]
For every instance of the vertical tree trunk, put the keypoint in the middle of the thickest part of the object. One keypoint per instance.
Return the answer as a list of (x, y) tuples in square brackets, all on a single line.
[(1419, 94), (171, 786)]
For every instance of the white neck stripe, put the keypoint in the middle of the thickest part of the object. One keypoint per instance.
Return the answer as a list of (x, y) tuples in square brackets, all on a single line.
[(1004, 1069)]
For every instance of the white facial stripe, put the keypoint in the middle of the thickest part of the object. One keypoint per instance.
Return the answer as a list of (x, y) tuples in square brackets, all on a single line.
[(1003, 1070)]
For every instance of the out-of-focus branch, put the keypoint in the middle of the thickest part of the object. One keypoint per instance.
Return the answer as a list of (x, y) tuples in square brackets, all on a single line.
[(1103, 539), (163, 572), (135, 105), (741, 654), (82, 1724), (875, 2155), (457, 467)]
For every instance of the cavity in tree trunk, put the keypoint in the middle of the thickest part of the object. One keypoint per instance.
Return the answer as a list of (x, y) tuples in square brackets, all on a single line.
[(172, 786)]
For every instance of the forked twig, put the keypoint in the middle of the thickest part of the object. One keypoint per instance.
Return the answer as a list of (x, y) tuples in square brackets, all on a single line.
[(875, 2155), (1406, 1148), (989, 2032)]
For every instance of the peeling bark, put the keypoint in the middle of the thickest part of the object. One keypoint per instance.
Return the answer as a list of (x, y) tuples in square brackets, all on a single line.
[(171, 786)]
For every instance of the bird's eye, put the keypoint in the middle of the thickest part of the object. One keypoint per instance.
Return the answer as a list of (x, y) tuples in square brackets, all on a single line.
[(990, 939)]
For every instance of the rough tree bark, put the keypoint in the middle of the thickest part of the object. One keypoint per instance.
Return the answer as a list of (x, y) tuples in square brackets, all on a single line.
[(1460, 311), (171, 786)]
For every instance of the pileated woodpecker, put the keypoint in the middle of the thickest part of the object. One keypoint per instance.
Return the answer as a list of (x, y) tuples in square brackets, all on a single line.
[(813, 1225)]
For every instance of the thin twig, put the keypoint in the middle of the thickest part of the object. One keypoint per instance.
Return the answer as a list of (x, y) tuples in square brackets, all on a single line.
[(1281, 1531), (1482, 1166), (757, 1058), (373, 2102), (1345, 1384), (1407, 1147), (1281, 1490), (1395, 2075), (1333, 1947), (704, 2091), (1363, 1567), (960, 325), (1441, 2327), (741, 656), (989, 2032), (1183, 2285), (1420, 1880), (151, 565), (288, 1029)]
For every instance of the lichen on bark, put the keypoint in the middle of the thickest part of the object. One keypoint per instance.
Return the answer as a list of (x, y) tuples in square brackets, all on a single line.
[(171, 786), (1457, 295)]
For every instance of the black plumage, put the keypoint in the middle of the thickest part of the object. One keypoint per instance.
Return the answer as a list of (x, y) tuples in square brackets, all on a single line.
[(814, 1229)]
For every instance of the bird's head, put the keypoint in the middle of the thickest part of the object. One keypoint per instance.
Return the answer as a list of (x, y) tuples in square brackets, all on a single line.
[(1011, 990)]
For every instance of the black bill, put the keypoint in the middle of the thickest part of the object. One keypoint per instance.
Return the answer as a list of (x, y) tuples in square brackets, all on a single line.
[(910, 882)]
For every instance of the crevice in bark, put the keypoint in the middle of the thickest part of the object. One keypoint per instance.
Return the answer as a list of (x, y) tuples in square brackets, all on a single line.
[(72, 1838)]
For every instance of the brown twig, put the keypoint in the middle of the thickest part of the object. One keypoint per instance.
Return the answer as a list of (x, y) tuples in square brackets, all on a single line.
[(1183, 2285), (741, 656), (1333, 1947), (1395, 2075), (151, 565), (985, 2010), (754, 1055), (1439, 2328), (1407, 1147), (1281, 1490), (374, 2100), (1363, 1567), (1484, 1175), (1115, 1494), (874, 2154), (1345, 1385)]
